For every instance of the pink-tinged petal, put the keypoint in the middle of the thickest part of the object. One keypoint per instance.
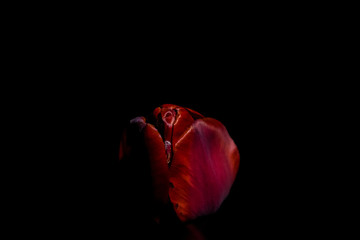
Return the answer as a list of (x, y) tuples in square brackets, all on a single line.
[(159, 168), (139, 122), (204, 167)]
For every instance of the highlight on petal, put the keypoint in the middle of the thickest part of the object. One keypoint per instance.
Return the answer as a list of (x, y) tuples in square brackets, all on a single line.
[(183, 122), (203, 169)]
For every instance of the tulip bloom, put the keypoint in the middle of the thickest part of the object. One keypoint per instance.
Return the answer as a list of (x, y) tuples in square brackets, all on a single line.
[(193, 160)]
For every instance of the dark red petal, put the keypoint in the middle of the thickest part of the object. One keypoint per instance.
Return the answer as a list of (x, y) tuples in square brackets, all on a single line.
[(156, 112), (203, 169), (129, 134), (159, 168)]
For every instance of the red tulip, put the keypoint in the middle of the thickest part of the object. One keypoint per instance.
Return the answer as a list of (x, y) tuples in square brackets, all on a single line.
[(193, 160)]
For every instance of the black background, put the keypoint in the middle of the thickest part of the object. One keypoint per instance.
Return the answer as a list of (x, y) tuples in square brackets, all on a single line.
[(256, 78)]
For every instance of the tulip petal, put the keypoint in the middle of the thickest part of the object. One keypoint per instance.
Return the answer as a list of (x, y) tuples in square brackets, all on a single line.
[(130, 136), (204, 167), (159, 168)]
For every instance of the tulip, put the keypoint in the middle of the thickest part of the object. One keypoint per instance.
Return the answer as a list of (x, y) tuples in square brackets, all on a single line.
[(193, 160)]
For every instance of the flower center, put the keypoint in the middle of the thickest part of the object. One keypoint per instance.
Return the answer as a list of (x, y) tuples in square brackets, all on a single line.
[(169, 120)]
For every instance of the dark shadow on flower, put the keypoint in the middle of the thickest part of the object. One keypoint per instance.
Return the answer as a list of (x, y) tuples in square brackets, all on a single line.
[(193, 232)]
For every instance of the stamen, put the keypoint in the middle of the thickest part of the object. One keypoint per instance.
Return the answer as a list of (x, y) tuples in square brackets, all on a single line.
[(168, 151)]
